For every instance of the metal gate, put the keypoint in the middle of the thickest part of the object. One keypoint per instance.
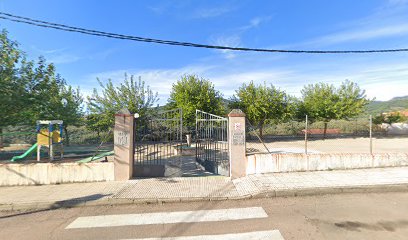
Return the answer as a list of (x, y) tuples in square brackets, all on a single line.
[(212, 142), (158, 139)]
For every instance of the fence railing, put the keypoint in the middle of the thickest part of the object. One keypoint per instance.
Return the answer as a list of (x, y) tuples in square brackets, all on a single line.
[(359, 135), (82, 142)]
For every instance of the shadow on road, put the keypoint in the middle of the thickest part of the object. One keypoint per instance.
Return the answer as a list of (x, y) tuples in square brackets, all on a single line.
[(68, 203), (389, 226)]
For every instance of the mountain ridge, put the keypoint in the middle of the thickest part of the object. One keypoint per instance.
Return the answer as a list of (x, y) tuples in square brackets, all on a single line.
[(394, 104)]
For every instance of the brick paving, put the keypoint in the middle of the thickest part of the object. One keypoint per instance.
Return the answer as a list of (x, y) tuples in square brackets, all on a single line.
[(189, 187)]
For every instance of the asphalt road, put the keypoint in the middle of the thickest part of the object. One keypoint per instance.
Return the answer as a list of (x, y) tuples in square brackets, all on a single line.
[(343, 216)]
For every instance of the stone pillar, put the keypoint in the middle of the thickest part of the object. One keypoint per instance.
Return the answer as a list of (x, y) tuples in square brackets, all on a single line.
[(237, 143), (123, 145), (188, 136)]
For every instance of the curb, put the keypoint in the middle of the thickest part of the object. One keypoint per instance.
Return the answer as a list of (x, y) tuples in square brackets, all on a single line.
[(41, 206), (335, 190)]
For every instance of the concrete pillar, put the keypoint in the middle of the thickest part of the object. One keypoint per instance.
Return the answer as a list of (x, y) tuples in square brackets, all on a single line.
[(237, 143), (123, 145)]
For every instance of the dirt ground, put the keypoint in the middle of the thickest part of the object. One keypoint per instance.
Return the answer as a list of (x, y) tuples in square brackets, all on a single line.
[(340, 145)]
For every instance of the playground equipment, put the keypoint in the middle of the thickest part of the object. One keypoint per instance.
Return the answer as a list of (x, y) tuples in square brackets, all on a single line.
[(49, 138), (26, 154), (49, 135)]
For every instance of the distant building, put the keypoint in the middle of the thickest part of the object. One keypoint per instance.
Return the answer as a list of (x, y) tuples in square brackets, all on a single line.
[(402, 113)]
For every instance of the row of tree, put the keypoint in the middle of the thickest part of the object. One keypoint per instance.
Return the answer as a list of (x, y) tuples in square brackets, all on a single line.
[(268, 104), (32, 90)]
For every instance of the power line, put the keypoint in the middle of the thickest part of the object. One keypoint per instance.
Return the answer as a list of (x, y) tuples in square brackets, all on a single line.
[(63, 27)]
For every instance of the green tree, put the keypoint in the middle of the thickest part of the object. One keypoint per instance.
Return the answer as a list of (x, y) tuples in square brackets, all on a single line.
[(325, 102), (131, 94), (32, 90), (66, 104), (52, 98), (12, 87), (192, 92), (94, 122), (263, 103), (43, 89)]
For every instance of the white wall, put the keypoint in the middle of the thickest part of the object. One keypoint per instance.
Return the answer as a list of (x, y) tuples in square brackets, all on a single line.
[(270, 163), (52, 173)]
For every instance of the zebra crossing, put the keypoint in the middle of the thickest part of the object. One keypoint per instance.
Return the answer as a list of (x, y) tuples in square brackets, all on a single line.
[(199, 216), (260, 235)]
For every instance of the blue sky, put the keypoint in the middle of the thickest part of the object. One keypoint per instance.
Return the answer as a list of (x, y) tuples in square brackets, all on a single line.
[(311, 25)]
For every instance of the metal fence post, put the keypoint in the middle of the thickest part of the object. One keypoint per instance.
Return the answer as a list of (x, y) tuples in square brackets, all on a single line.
[(181, 125), (371, 134), (306, 136)]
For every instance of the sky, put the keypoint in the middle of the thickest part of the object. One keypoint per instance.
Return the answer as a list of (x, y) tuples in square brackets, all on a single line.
[(278, 24)]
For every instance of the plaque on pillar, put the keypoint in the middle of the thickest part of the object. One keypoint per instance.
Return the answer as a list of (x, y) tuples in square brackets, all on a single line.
[(237, 143), (123, 145)]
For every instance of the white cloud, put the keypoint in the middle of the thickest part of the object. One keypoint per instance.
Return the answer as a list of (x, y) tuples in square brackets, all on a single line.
[(228, 41), (48, 51), (255, 22), (387, 21), (363, 34), (160, 80), (234, 39), (190, 10), (168, 6), (211, 12), (63, 58), (57, 56), (229, 82), (381, 81)]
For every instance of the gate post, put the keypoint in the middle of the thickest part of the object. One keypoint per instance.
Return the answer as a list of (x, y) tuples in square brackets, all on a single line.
[(123, 145), (237, 143)]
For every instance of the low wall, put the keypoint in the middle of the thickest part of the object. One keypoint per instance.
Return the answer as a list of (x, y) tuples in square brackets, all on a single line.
[(270, 163), (53, 173), (395, 128)]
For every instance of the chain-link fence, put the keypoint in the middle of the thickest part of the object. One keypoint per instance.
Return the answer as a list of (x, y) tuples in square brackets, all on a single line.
[(78, 144), (359, 135), (85, 145)]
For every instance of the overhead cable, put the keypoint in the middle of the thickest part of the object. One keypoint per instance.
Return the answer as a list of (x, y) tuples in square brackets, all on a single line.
[(63, 27)]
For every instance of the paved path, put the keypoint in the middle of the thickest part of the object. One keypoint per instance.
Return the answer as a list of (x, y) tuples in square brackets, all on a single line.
[(202, 188), (178, 188), (321, 180)]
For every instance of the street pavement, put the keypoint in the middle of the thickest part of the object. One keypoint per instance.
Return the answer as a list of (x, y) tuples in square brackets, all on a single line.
[(342, 216)]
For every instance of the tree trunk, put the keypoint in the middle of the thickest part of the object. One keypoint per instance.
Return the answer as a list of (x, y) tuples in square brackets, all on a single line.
[(260, 126), (66, 135), (1, 137), (325, 130)]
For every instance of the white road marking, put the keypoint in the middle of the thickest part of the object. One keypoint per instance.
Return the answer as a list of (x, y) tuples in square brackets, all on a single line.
[(168, 217), (263, 235)]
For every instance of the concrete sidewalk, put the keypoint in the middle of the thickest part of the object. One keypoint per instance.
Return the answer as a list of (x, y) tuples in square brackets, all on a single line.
[(156, 190)]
